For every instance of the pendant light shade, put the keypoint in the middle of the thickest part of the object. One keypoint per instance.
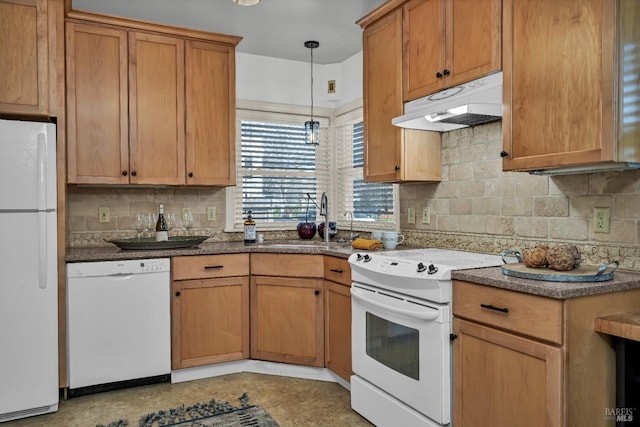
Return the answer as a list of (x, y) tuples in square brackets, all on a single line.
[(312, 127)]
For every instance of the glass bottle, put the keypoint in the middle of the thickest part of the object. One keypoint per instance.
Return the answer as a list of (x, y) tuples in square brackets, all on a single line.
[(249, 229)]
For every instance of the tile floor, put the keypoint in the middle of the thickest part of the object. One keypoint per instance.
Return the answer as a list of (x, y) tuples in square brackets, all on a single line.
[(292, 402)]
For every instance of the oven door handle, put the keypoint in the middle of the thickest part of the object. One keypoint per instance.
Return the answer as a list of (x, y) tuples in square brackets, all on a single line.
[(356, 294)]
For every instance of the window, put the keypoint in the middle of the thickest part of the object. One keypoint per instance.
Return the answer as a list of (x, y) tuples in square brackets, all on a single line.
[(276, 170), (372, 204)]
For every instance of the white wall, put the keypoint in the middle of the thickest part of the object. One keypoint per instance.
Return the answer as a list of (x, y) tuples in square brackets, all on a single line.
[(273, 80)]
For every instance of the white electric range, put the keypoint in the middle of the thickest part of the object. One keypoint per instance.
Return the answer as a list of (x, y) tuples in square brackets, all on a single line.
[(401, 326)]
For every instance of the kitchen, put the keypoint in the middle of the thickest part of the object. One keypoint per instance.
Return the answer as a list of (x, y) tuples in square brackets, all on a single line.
[(475, 207)]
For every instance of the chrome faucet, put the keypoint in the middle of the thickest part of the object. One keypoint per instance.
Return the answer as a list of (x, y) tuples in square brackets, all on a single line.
[(324, 210), (352, 235)]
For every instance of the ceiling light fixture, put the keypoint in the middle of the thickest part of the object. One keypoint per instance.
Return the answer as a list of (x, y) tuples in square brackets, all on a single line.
[(246, 2), (312, 127)]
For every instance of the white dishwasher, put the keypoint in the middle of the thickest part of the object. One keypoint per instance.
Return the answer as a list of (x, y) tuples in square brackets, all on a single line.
[(118, 321)]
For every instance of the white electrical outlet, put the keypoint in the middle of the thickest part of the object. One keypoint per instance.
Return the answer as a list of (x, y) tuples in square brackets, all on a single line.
[(426, 215), (211, 213), (186, 213), (411, 214), (103, 214), (601, 220)]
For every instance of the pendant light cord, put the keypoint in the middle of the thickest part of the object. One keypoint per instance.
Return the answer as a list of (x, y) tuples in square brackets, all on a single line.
[(312, 84)]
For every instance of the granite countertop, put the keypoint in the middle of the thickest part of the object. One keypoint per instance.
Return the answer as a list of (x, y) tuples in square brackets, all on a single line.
[(492, 276), (113, 253)]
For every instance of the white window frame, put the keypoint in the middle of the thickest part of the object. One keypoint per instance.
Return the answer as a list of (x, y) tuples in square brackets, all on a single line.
[(259, 111)]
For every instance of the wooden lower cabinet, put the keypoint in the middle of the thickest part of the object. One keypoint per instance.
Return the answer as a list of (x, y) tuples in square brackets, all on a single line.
[(210, 312), (500, 379), (337, 329), (287, 320), (536, 361)]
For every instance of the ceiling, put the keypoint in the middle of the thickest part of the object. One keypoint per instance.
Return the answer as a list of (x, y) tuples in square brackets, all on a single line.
[(275, 28)]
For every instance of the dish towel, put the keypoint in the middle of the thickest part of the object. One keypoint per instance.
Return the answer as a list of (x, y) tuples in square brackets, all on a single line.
[(366, 244)]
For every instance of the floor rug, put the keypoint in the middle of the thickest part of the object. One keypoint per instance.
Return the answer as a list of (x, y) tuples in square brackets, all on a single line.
[(212, 414)]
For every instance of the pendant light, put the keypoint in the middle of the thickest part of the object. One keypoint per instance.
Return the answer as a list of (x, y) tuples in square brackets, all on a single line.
[(312, 127)]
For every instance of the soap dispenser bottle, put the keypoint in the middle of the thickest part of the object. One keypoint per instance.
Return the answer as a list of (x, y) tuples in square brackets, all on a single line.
[(249, 229)]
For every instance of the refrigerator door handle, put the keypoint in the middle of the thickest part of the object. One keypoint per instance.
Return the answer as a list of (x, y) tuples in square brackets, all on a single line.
[(42, 172), (42, 250), (42, 206)]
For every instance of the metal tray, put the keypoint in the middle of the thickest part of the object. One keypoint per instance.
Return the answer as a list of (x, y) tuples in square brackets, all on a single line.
[(174, 242), (582, 273)]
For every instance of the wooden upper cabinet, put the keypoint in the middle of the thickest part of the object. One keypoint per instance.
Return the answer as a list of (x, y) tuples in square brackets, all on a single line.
[(563, 98), (156, 109), (382, 55), (391, 154), (97, 105), (210, 114), (24, 71), (448, 42), (149, 104)]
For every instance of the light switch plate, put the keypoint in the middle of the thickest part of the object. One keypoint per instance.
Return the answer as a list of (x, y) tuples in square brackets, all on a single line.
[(211, 213), (103, 214), (426, 215)]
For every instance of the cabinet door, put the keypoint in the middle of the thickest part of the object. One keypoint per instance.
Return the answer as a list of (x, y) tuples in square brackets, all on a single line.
[(287, 320), (210, 114), (156, 109), (424, 47), (473, 39), (558, 112), (210, 320), (97, 113), (503, 380), (337, 346), (25, 59), (382, 56)]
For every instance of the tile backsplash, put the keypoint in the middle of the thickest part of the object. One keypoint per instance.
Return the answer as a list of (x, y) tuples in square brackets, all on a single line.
[(480, 208), (85, 229), (476, 207)]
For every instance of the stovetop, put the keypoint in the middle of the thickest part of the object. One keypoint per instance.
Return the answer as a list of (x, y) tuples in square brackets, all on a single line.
[(421, 273)]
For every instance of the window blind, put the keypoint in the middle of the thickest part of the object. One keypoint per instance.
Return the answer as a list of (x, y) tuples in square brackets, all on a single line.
[(276, 170), (372, 204)]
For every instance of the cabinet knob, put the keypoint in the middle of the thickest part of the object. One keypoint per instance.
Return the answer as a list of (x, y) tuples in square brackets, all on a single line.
[(438, 75), (446, 72), (134, 173), (124, 173), (177, 293), (503, 154), (317, 292), (397, 168), (190, 174)]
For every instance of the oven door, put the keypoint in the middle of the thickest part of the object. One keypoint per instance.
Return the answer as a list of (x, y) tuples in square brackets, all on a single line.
[(401, 345)]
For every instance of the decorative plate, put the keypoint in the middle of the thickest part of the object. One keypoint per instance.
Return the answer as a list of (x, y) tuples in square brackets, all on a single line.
[(174, 242)]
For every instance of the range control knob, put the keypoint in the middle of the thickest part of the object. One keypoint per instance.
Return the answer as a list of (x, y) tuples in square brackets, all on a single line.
[(367, 258), (432, 269), (359, 257), (421, 267)]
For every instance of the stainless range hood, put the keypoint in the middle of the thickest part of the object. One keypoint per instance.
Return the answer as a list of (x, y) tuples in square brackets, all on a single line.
[(473, 103)]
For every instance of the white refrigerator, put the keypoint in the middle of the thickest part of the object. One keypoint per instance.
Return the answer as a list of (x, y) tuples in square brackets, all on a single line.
[(28, 270)]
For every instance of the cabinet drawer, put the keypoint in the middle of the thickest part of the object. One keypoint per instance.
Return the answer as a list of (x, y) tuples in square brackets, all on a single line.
[(210, 266), (521, 313), (337, 270), (287, 265)]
